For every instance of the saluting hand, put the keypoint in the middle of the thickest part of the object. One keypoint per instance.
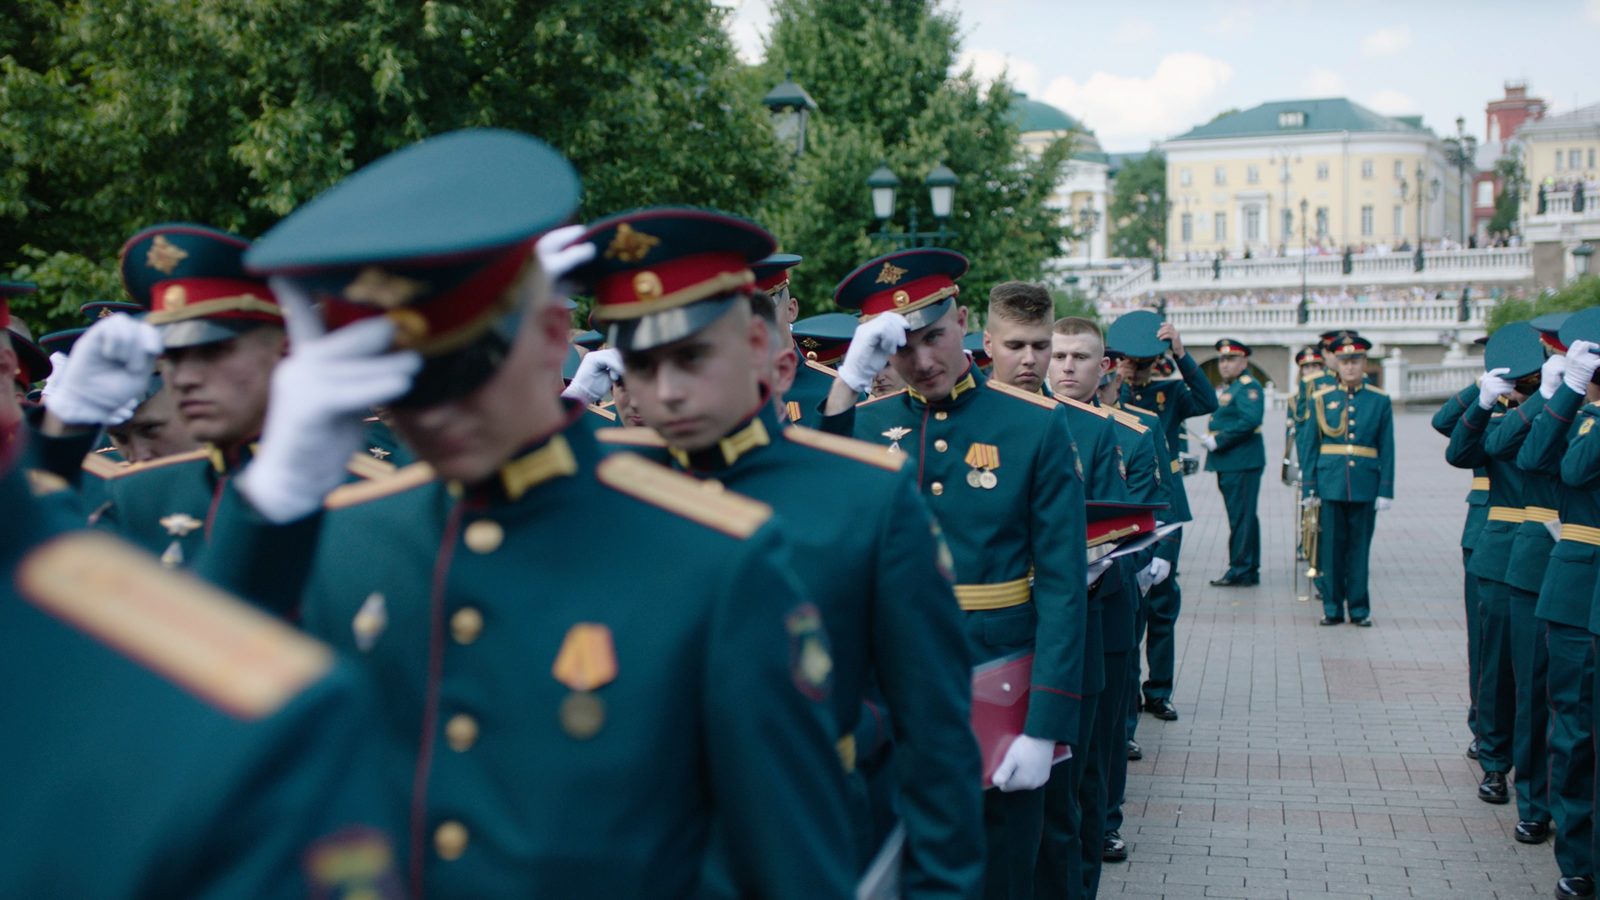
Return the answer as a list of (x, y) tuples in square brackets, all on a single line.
[(109, 368), (874, 342), (1581, 363), (1169, 332), (1492, 385), (598, 371)]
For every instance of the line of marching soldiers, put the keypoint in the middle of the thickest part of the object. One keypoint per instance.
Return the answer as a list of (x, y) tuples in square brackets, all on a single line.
[(510, 638), (1531, 551)]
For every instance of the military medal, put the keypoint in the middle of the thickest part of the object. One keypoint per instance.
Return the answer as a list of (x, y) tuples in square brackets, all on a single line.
[(370, 621), (984, 459), (894, 435), (178, 525), (586, 662)]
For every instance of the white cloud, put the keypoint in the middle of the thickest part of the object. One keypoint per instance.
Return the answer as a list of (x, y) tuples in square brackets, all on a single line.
[(1591, 9), (1391, 102), (1134, 30), (1129, 111), (1323, 83), (747, 23), (989, 65), (1237, 22), (1386, 41)]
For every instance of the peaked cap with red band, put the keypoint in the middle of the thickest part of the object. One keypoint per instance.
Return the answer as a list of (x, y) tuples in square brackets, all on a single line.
[(1111, 522), (192, 280), (1308, 356), (1349, 345), (33, 364), (1549, 328), (824, 338), (663, 273), (919, 284), (1231, 347), (772, 273)]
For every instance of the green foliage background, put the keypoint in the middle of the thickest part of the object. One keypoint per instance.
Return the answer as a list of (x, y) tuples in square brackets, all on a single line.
[(1580, 294), (118, 114)]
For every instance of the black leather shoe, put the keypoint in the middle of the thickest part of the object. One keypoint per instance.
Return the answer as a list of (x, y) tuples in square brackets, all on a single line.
[(1113, 848), (1135, 752), (1577, 887), (1472, 749), (1492, 789), (1362, 623), (1531, 832), (1227, 581), (1161, 709), (1332, 620)]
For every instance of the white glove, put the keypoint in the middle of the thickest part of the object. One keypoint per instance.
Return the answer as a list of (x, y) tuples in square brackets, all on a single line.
[(107, 373), (1492, 386), (1550, 375), (320, 393), (598, 371), (874, 342), (1581, 363), (1310, 502), (1385, 503), (1097, 569), (1554, 527), (1026, 765), (558, 255), (1210, 441), (1158, 570)]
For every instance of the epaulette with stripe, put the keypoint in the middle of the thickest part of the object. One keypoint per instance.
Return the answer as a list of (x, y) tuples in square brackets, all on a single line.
[(1075, 404), (101, 467), (1321, 391), (603, 413), (42, 483), (832, 373), (363, 466), (699, 501), (1375, 389), (1141, 411), (850, 448), (1129, 419), (163, 462), (871, 400), (1020, 394), (630, 437), (193, 635), (412, 476)]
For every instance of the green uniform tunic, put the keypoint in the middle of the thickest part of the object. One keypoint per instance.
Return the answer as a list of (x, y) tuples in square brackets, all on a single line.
[(1351, 465), (1490, 558), (560, 734), (167, 741), (1444, 422), (1030, 517), (869, 552), (1174, 400), (1239, 460), (803, 402), (1563, 611)]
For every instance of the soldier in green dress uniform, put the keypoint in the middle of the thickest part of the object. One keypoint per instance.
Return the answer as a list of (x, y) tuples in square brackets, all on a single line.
[(1236, 452), (1514, 350), (1444, 422), (698, 369), (552, 732), (802, 398), (1564, 605), (1350, 473), (177, 743), (997, 468), (1143, 339)]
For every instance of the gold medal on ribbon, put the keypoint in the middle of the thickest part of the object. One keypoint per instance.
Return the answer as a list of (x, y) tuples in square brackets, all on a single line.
[(984, 459), (586, 662), (582, 715), (975, 478)]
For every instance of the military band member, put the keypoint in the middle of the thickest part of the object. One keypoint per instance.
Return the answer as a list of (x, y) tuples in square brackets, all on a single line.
[(1563, 611), (579, 737), (199, 747), (1236, 452), (1143, 339), (998, 471), (1516, 353), (699, 371), (1350, 470)]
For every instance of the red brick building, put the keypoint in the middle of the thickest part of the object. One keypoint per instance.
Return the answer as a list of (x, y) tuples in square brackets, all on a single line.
[(1502, 118)]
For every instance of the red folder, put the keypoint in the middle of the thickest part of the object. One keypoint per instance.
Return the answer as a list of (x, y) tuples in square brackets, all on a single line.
[(1000, 708)]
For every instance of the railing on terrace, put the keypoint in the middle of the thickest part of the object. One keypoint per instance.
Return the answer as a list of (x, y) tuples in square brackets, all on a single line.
[(1284, 317), (1559, 205)]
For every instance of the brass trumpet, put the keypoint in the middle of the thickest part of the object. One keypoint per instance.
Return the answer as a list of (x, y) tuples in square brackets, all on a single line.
[(1310, 532)]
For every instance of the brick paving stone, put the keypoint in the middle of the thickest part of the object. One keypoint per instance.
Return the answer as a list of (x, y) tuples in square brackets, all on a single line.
[(1323, 762)]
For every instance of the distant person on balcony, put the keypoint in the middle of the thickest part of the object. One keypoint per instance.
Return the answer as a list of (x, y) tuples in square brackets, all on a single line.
[(1236, 452)]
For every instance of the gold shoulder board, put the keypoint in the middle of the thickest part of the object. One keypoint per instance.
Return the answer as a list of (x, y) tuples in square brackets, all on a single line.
[(1020, 394), (174, 459), (363, 466), (100, 467), (194, 635), (832, 373), (1321, 391), (1140, 410), (603, 413), (414, 475), (698, 501), (630, 437), (861, 451), (1086, 407), (1128, 419), (42, 483), (871, 400), (1377, 390)]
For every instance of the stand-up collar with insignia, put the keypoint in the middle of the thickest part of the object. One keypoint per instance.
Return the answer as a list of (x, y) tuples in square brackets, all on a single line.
[(753, 433), (559, 454), (963, 390)]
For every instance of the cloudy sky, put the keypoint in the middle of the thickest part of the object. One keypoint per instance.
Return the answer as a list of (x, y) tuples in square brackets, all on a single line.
[(1137, 73)]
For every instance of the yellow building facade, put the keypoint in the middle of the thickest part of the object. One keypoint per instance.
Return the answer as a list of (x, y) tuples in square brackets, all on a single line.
[(1237, 184)]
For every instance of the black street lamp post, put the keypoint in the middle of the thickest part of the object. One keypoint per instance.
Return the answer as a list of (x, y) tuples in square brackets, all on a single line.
[(791, 109), (1304, 312), (1432, 191), (1461, 150), (941, 184), (1088, 220)]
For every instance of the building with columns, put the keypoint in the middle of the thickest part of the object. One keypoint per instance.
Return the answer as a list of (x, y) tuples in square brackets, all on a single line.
[(1236, 185), (1561, 213), (1083, 194)]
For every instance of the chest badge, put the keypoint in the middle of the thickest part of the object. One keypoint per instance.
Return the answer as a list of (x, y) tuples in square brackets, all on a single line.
[(370, 622), (984, 459), (1224, 398), (179, 525), (586, 662), (379, 452), (1161, 400), (1333, 404), (894, 435)]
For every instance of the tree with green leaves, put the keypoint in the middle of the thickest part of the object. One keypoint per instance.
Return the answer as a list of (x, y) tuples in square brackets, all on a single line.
[(1139, 208), (1580, 294), (1508, 205), (882, 76), (118, 114)]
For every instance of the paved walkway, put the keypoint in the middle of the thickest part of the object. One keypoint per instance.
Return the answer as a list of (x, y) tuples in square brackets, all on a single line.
[(1317, 762)]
